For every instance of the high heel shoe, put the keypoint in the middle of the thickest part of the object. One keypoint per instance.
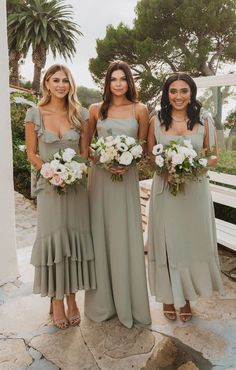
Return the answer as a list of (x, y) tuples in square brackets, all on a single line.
[(73, 318), (61, 323), (170, 314), (185, 315)]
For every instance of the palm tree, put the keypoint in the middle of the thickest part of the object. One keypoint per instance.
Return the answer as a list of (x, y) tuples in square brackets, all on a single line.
[(14, 53), (44, 25)]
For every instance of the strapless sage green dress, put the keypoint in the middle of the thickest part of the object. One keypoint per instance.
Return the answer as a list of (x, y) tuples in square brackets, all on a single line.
[(182, 248), (62, 254), (118, 241)]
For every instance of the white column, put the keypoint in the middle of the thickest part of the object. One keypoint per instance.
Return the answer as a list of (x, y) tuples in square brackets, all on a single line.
[(8, 260)]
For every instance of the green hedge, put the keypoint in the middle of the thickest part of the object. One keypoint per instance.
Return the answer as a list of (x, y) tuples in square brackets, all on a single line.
[(227, 163), (21, 166)]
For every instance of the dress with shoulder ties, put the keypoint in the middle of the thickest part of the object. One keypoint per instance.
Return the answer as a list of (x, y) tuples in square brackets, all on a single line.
[(182, 247), (62, 254)]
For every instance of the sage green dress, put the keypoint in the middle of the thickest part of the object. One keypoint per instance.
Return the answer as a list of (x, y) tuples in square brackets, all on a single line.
[(62, 254), (182, 248), (118, 241)]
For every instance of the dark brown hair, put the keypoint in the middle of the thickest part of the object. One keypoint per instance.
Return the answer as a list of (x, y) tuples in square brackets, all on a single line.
[(131, 94), (193, 108)]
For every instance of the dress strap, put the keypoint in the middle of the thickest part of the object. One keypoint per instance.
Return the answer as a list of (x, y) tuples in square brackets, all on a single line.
[(206, 116), (133, 110), (201, 129)]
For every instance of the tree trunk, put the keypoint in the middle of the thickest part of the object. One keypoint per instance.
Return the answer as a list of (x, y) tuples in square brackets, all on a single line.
[(14, 57), (229, 141), (39, 60), (218, 118), (207, 71), (36, 80)]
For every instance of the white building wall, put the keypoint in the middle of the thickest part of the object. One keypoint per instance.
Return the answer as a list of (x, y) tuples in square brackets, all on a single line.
[(8, 261)]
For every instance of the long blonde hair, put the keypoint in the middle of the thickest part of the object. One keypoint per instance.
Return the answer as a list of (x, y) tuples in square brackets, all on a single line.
[(73, 105)]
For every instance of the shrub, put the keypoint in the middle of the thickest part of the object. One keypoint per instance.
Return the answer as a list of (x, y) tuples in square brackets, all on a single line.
[(226, 162), (21, 166)]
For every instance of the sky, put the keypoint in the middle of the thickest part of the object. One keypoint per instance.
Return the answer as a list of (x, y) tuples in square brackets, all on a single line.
[(92, 16)]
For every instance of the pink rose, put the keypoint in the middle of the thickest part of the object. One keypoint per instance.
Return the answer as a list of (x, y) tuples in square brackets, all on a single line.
[(56, 180), (46, 171)]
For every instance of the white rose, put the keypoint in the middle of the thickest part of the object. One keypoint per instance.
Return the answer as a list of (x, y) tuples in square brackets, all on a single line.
[(68, 154), (112, 152), (104, 158), (192, 153), (188, 143), (170, 153), (159, 161), (126, 158), (46, 171), (203, 162), (70, 179), (109, 141), (76, 168), (136, 151), (157, 149), (129, 140), (185, 151), (177, 158), (117, 139)]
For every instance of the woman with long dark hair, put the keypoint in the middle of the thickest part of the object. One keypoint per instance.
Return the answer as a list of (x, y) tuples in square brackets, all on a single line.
[(115, 209), (182, 247), (63, 252)]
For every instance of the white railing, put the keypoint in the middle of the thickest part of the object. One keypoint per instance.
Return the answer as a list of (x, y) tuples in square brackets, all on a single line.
[(226, 231)]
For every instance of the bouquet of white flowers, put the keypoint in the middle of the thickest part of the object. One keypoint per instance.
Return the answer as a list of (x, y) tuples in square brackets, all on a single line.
[(179, 163), (117, 152), (65, 169)]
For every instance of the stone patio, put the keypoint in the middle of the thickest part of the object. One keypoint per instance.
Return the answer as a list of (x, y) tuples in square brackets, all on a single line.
[(28, 339)]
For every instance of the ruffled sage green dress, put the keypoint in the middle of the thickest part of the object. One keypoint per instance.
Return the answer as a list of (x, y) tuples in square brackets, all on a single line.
[(182, 248), (118, 241), (62, 254)]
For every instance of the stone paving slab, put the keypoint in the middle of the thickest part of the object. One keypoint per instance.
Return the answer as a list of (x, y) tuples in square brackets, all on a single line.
[(207, 342), (13, 354)]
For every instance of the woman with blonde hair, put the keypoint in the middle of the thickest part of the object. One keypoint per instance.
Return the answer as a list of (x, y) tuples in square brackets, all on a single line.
[(63, 252)]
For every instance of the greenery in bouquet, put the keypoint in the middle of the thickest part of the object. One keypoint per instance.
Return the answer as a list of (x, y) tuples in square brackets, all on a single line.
[(179, 164), (119, 152), (65, 170)]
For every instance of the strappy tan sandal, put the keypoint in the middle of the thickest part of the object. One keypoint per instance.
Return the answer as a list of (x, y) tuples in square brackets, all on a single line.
[(169, 314), (185, 316), (74, 320), (61, 323)]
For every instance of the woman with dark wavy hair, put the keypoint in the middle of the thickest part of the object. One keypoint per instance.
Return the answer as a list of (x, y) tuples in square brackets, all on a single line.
[(183, 259), (115, 209)]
